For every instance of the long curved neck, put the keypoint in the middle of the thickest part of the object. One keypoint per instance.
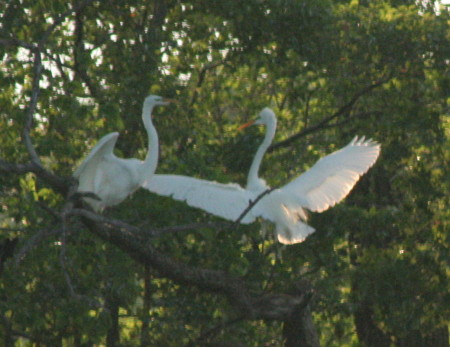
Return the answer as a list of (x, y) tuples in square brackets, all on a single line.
[(151, 159), (254, 168)]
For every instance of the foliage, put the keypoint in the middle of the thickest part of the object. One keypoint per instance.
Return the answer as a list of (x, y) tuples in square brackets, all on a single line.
[(330, 70)]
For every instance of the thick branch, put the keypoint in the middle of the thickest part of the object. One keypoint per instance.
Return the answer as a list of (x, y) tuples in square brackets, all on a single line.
[(343, 110), (251, 304), (20, 169), (60, 184)]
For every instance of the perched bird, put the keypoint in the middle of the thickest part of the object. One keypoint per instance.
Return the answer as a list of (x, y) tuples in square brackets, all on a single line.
[(112, 179)]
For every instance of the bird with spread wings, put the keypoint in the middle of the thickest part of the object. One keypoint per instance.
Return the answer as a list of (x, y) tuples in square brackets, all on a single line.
[(321, 187)]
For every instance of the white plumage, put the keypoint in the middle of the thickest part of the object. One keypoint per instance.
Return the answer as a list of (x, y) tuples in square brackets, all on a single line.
[(321, 187), (113, 179)]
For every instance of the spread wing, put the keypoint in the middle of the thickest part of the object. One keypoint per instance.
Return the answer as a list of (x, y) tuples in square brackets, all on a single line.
[(333, 177), (224, 200), (88, 169)]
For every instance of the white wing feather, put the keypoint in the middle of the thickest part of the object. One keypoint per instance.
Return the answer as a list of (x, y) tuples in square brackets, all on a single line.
[(105, 146), (91, 174), (224, 200), (333, 177)]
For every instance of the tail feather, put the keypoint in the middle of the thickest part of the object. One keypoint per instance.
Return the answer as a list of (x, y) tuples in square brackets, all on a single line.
[(294, 233)]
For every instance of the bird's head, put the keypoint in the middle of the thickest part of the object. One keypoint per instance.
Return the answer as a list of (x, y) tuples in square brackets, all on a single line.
[(157, 100), (266, 117)]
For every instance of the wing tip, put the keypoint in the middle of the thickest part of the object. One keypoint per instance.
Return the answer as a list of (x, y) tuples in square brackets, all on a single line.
[(362, 141)]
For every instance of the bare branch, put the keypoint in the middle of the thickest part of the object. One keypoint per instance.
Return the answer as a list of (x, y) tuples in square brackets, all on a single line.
[(7, 167), (60, 184), (202, 75), (35, 165), (137, 243), (251, 204), (18, 43), (343, 110), (37, 71)]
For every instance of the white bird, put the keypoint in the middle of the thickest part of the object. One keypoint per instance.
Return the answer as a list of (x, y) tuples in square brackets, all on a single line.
[(321, 187), (113, 179)]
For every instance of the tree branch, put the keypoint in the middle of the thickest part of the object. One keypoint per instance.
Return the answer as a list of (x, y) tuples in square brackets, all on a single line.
[(60, 184), (251, 204), (35, 164), (20, 169), (29, 115), (249, 303), (202, 75), (58, 21), (343, 110)]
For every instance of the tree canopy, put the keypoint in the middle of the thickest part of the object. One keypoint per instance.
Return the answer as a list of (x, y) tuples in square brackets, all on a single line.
[(155, 272)]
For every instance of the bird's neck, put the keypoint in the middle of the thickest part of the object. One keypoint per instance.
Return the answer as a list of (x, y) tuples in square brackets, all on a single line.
[(151, 159), (253, 179)]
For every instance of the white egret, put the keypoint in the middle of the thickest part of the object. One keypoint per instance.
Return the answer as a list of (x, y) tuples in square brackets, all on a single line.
[(112, 179), (321, 187)]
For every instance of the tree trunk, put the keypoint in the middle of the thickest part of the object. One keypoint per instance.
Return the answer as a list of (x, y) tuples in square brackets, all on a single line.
[(299, 330), (113, 335), (368, 333), (8, 338), (145, 338)]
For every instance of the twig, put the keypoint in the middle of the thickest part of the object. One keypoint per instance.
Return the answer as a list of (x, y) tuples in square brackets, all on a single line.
[(251, 204), (345, 109), (58, 21), (60, 65), (201, 77)]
